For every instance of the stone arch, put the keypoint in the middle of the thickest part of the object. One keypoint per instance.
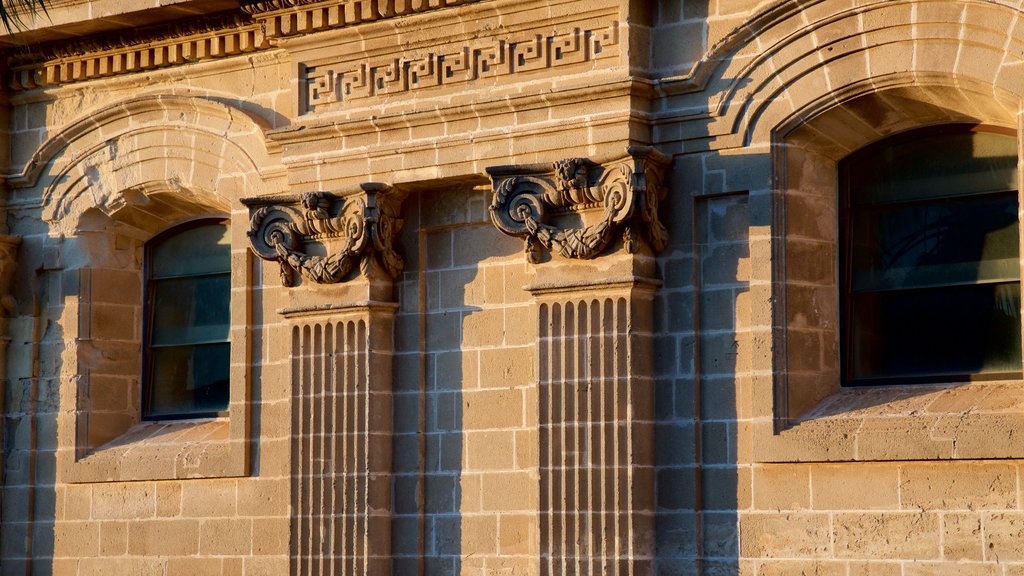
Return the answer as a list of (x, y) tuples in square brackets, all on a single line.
[(106, 184), (797, 59), (814, 94), (151, 146)]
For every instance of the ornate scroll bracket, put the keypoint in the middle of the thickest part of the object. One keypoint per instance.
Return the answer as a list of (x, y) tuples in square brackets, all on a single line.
[(354, 228), (529, 201)]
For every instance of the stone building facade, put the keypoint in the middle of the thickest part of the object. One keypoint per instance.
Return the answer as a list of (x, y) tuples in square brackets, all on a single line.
[(512, 287)]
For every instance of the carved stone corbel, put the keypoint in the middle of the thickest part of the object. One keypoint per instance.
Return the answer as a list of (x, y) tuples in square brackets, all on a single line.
[(620, 196), (355, 228)]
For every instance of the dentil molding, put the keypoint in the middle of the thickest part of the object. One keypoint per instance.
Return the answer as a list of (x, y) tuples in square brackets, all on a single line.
[(253, 27)]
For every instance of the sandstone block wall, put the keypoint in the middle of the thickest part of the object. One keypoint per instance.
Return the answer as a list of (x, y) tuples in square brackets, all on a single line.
[(551, 385)]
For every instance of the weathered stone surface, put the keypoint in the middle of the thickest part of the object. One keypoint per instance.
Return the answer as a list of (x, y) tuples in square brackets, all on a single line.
[(661, 382)]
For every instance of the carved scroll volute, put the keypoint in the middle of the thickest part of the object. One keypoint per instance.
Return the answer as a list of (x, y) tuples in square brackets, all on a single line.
[(354, 227), (624, 193)]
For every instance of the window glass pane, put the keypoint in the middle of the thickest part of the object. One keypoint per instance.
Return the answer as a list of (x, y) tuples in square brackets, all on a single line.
[(962, 241), (190, 310), (970, 163), (936, 331), (931, 258), (203, 249), (188, 299), (189, 380)]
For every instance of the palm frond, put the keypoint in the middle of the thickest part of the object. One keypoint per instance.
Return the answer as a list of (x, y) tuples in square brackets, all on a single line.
[(14, 12)]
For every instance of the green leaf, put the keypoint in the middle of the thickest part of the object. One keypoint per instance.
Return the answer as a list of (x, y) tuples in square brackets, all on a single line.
[(12, 12)]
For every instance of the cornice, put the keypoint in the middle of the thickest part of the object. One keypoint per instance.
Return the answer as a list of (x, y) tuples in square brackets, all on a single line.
[(283, 18), (137, 50), (264, 6), (252, 28)]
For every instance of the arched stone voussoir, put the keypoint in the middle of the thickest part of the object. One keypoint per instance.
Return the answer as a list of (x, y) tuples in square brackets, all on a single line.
[(848, 50), (836, 125), (161, 142)]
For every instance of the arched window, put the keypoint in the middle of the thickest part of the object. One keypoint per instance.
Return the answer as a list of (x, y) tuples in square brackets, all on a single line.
[(930, 273), (187, 350)]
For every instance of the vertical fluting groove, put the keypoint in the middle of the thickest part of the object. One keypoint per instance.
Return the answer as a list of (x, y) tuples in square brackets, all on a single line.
[(624, 471), (362, 472), (330, 394), (350, 451), (564, 531), (547, 568), (616, 418), (316, 457), (582, 444), (338, 481), (297, 540), (542, 374), (569, 465), (558, 487), (598, 399), (346, 467), (593, 446)]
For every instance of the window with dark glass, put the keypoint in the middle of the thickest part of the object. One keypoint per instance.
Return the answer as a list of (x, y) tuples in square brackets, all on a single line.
[(930, 260), (187, 298)]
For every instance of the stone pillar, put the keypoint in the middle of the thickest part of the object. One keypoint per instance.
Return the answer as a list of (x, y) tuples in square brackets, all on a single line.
[(342, 342), (591, 229)]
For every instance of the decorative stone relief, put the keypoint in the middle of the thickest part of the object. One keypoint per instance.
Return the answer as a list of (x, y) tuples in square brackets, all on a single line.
[(353, 227), (530, 200), (329, 84)]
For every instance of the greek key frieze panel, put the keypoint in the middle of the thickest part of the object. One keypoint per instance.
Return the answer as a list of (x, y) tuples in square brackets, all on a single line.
[(329, 86)]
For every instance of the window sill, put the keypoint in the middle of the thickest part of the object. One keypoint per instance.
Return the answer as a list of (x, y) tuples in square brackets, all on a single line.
[(934, 422), (167, 450)]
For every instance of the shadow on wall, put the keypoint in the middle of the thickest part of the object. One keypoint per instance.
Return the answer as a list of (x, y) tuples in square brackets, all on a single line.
[(441, 330), (28, 505), (700, 369), (702, 337)]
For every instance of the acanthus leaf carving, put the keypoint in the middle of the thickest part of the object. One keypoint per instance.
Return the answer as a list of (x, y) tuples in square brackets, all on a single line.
[(625, 194), (356, 227)]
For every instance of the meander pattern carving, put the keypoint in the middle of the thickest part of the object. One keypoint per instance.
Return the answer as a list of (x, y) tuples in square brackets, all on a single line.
[(360, 226), (626, 192), (328, 84)]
